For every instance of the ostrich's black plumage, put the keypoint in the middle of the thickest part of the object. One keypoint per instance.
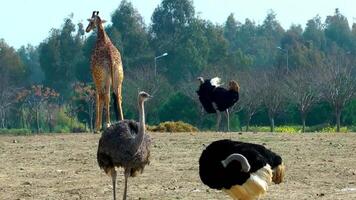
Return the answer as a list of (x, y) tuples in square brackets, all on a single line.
[(223, 98), (115, 147), (213, 174), (205, 93)]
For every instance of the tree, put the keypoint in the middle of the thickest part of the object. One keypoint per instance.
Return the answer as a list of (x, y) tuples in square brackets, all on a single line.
[(171, 17), (12, 70), (175, 30), (144, 79), (268, 37), (338, 82), (273, 94), (85, 97), (250, 98), (7, 99), (36, 97), (129, 33), (230, 32), (337, 30), (314, 33), (60, 54), (29, 56), (304, 90)]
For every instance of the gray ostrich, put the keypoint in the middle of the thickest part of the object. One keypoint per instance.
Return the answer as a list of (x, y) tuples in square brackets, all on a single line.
[(126, 145)]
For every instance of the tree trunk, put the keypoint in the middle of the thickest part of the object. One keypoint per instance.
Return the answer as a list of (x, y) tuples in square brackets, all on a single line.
[(2, 120), (248, 123), (303, 122), (272, 124), (22, 118), (37, 121), (338, 121), (91, 114)]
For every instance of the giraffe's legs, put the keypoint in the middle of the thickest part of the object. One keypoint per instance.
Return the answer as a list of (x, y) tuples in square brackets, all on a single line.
[(97, 110), (127, 174), (101, 106), (107, 107), (119, 101)]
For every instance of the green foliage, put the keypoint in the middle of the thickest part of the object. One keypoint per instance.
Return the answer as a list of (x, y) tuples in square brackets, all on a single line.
[(288, 129), (172, 126), (15, 131), (60, 55), (178, 107), (66, 124), (12, 70), (332, 129), (322, 128), (128, 33)]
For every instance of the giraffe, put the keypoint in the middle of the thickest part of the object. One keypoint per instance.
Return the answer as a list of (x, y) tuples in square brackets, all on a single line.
[(107, 71)]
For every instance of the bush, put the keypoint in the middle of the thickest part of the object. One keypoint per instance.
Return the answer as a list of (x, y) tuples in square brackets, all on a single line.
[(15, 131), (331, 129), (258, 128), (65, 124), (179, 107), (288, 129), (171, 126), (61, 129)]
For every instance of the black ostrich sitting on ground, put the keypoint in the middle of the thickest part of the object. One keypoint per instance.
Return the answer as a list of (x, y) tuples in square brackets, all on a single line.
[(243, 170), (125, 144), (216, 99)]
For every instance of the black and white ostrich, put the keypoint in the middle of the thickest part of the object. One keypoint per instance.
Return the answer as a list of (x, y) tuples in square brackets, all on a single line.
[(126, 145), (242, 170), (216, 99)]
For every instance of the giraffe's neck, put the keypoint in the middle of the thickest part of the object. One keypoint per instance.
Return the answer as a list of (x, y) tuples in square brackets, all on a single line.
[(102, 36)]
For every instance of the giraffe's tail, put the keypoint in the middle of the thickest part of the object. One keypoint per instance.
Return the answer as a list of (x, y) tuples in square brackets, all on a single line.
[(116, 110)]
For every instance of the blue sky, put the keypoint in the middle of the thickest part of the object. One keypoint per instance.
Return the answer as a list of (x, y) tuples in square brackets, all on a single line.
[(29, 21)]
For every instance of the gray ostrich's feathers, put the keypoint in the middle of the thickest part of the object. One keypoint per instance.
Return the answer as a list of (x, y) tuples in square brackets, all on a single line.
[(116, 147)]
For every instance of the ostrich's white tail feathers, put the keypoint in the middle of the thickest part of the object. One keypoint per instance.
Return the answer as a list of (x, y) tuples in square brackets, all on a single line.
[(254, 187), (278, 174), (216, 81)]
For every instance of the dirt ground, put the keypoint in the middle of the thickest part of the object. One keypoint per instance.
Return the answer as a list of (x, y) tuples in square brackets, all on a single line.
[(63, 166)]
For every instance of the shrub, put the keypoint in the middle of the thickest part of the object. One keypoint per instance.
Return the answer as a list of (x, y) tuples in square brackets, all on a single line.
[(179, 107), (288, 129), (61, 129), (332, 129), (15, 131), (65, 124), (171, 126)]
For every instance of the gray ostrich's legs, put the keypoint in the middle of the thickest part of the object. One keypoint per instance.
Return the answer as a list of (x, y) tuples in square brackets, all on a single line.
[(113, 176), (228, 119), (127, 174)]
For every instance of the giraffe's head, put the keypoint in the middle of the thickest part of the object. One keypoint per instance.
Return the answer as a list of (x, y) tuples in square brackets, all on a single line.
[(94, 21)]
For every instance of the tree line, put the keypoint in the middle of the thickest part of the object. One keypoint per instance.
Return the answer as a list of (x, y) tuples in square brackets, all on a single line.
[(296, 76)]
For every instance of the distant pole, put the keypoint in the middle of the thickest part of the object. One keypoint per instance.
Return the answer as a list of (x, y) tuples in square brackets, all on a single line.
[(165, 54)]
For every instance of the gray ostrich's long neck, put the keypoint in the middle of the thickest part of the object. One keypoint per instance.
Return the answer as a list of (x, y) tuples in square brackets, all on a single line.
[(141, 127), (141, 110)]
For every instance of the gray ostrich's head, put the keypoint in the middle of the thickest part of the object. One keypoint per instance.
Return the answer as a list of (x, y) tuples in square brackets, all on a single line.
[(143, 96)]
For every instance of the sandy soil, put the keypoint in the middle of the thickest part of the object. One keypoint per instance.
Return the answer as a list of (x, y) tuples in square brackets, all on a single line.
[(319, 166)]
